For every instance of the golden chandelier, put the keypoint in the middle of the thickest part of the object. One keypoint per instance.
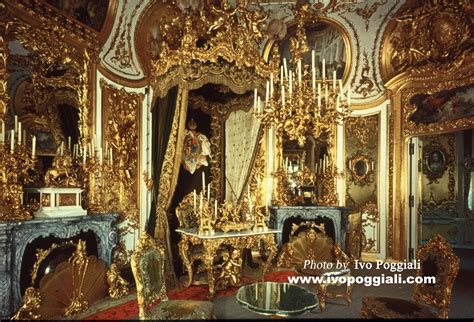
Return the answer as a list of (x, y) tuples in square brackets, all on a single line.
[(298, 103)]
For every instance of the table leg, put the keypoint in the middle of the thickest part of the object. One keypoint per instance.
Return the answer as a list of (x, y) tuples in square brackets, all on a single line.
[(270, 244), (183, 252), (210, 252)]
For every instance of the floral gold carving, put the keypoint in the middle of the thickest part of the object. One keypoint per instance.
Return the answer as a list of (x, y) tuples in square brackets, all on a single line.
[(118, 286), (435, 35), (121, 113)]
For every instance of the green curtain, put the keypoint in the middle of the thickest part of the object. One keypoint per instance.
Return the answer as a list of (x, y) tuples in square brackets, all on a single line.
[(162, 121)]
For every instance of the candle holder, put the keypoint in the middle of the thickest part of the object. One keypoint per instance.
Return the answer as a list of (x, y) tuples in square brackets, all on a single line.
[(15, 167), (283, 194), (206, 219)]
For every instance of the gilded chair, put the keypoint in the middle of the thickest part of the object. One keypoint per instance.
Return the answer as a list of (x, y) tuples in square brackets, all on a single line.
[(309, 242), (436, 259), (148, 271), (354, 235)]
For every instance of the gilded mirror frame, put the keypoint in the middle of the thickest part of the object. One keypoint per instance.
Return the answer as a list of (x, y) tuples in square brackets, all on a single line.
[(291, 26)]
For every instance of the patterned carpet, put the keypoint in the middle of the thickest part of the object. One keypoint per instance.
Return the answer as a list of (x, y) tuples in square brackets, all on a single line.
[(127, 308)]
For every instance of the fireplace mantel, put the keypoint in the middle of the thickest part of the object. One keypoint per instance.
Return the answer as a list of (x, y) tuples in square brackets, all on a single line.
[(16, 235), (338, 215)]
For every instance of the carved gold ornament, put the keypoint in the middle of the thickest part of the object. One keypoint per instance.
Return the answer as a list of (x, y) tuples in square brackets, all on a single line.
[(434, 35), (297, 103), (362, 169), (118, 286)]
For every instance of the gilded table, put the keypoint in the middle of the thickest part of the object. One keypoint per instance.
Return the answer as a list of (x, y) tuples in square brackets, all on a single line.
[(211, 242)]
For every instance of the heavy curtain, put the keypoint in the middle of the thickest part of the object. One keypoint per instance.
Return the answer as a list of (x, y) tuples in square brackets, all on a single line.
[(241, 131), (168, 127), (163, 113)]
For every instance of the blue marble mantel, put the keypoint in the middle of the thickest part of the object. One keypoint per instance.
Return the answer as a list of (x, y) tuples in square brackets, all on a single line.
[(16, 235), (338, 215)]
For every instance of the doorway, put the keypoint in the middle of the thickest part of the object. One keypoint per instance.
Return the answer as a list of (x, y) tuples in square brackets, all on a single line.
[(441, 189)]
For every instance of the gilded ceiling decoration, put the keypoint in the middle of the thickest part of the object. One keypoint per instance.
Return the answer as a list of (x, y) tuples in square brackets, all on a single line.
[(202, 42), (434, 34)]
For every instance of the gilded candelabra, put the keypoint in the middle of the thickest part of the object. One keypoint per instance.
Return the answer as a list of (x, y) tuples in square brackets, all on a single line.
[(16, 162), (302, 100)]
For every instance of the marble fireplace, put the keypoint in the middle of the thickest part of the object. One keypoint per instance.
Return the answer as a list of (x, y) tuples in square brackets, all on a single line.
[(16, 237), (334, 218)]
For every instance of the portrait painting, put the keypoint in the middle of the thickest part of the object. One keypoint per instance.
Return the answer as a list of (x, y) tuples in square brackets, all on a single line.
[(446, 105), (436, 161)]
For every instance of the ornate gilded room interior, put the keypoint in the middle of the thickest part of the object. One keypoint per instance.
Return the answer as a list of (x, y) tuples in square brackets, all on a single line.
[(236, 159)]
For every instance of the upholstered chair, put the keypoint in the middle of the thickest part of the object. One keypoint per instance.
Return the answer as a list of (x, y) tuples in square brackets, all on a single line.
[(308, 241), (436, 259), (148, 271), (354, 235)]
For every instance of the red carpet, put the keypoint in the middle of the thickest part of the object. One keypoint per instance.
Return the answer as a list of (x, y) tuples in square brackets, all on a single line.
[(129, 309)]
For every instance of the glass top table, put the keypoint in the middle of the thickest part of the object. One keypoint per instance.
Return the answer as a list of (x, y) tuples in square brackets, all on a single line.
[(280, 299)]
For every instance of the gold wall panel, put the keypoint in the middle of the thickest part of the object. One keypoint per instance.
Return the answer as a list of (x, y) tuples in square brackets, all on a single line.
[(439, 193), (361, 150), (121, 128)]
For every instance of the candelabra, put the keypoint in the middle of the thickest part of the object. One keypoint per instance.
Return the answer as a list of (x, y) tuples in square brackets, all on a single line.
[(299, 102), (16, 162)]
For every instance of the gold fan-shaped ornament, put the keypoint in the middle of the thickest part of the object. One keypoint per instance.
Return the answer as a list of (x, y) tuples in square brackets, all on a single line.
[(73, 286)]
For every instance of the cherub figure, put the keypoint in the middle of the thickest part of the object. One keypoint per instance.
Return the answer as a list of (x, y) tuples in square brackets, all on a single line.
[(231, 270), (222, 14), (30, 306), (118, 286)]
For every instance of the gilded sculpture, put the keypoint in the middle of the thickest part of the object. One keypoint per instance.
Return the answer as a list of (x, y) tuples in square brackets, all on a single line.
[(30, 306), (118, 286), (433, 35), (231, 270), (63, 173)]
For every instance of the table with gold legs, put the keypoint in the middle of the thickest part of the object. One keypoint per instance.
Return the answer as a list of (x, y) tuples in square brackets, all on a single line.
[(211, 242)]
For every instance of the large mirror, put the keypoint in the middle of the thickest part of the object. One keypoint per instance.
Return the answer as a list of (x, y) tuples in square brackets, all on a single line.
[(42, 101)]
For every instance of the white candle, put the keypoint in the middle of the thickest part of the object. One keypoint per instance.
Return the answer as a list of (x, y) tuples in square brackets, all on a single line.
[(203, 182), (313, 60), (255, 100), (334, 80), (12, 141), (111, 156), (291, 83), (285, 67), (324, 68), (215, 208), (2, 137), (271, 84), (314, 80), (200, 202), (19, 132), (209, 191), (340, 86), (62, 148), (69, 143), (259, 104), (267, 92), (84, 154), (16, 123), (195, 200), (299, 71), (33, 146), (283, 95)]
